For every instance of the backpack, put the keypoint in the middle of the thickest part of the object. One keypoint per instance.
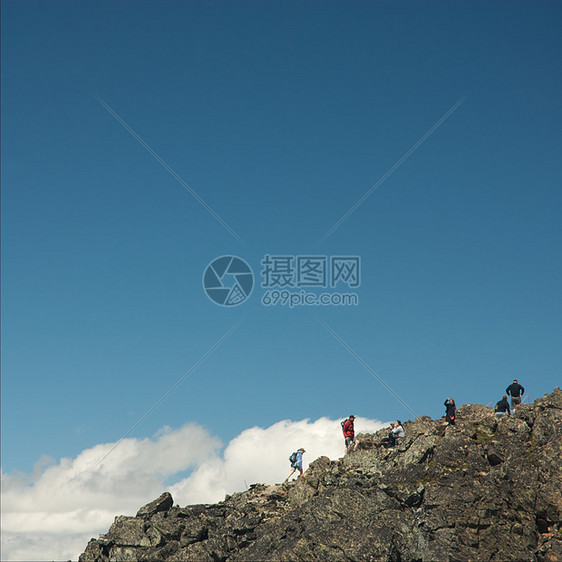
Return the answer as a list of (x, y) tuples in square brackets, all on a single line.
[(293, 457)]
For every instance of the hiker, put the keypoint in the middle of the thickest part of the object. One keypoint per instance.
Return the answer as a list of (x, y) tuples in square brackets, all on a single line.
[(296, 463), (502, 408), (450, 411), (515, 390), (396, 432), (348, 431)]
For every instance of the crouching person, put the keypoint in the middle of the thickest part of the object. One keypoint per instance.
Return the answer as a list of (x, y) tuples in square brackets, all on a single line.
[(396, 432), (502, 408)]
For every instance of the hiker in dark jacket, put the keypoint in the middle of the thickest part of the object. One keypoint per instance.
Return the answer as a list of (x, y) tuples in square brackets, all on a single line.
[(450, 411), (515, 390), (502, 408), (348, 431)]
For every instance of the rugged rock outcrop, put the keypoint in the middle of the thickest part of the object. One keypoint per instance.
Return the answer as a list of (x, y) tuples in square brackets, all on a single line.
[(485, 489)]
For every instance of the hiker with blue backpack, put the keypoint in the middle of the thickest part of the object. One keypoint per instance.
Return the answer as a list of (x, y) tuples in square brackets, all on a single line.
[(296, 463)]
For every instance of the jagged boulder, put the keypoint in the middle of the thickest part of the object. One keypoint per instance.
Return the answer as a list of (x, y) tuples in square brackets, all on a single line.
[(485, 489), (163, 503)]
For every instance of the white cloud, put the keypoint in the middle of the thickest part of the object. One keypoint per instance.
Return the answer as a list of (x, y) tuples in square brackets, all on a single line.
[(262, 455), (52, 513)]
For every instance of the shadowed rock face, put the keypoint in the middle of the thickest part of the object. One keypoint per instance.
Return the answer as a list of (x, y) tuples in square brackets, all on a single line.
[(485, 489)]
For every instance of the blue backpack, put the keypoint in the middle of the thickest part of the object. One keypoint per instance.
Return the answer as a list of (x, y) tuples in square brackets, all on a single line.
[(293, 457)]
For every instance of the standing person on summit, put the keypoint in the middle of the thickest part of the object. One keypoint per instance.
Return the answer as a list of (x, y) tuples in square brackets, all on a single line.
[(515, 390), (450, 411), (348, 431)]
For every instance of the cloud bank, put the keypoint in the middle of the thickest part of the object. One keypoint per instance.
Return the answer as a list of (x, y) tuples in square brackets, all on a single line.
[(53, 512)]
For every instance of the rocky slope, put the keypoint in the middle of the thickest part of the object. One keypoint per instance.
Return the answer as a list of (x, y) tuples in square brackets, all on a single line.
[(485, 489)]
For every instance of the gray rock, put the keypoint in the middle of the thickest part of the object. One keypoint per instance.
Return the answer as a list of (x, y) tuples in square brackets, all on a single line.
[(163, 503), (485, 489)]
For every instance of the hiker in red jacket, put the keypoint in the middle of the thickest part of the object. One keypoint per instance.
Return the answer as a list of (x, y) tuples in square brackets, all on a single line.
[(348, 431)]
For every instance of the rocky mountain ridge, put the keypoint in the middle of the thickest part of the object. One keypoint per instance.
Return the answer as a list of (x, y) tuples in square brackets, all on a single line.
[(485, 489)]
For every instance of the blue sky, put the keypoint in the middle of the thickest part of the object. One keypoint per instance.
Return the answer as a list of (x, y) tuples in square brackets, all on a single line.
[(281, 116)]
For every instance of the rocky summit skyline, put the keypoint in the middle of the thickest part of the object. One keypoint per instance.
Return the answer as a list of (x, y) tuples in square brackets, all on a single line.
[(487, 488)]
